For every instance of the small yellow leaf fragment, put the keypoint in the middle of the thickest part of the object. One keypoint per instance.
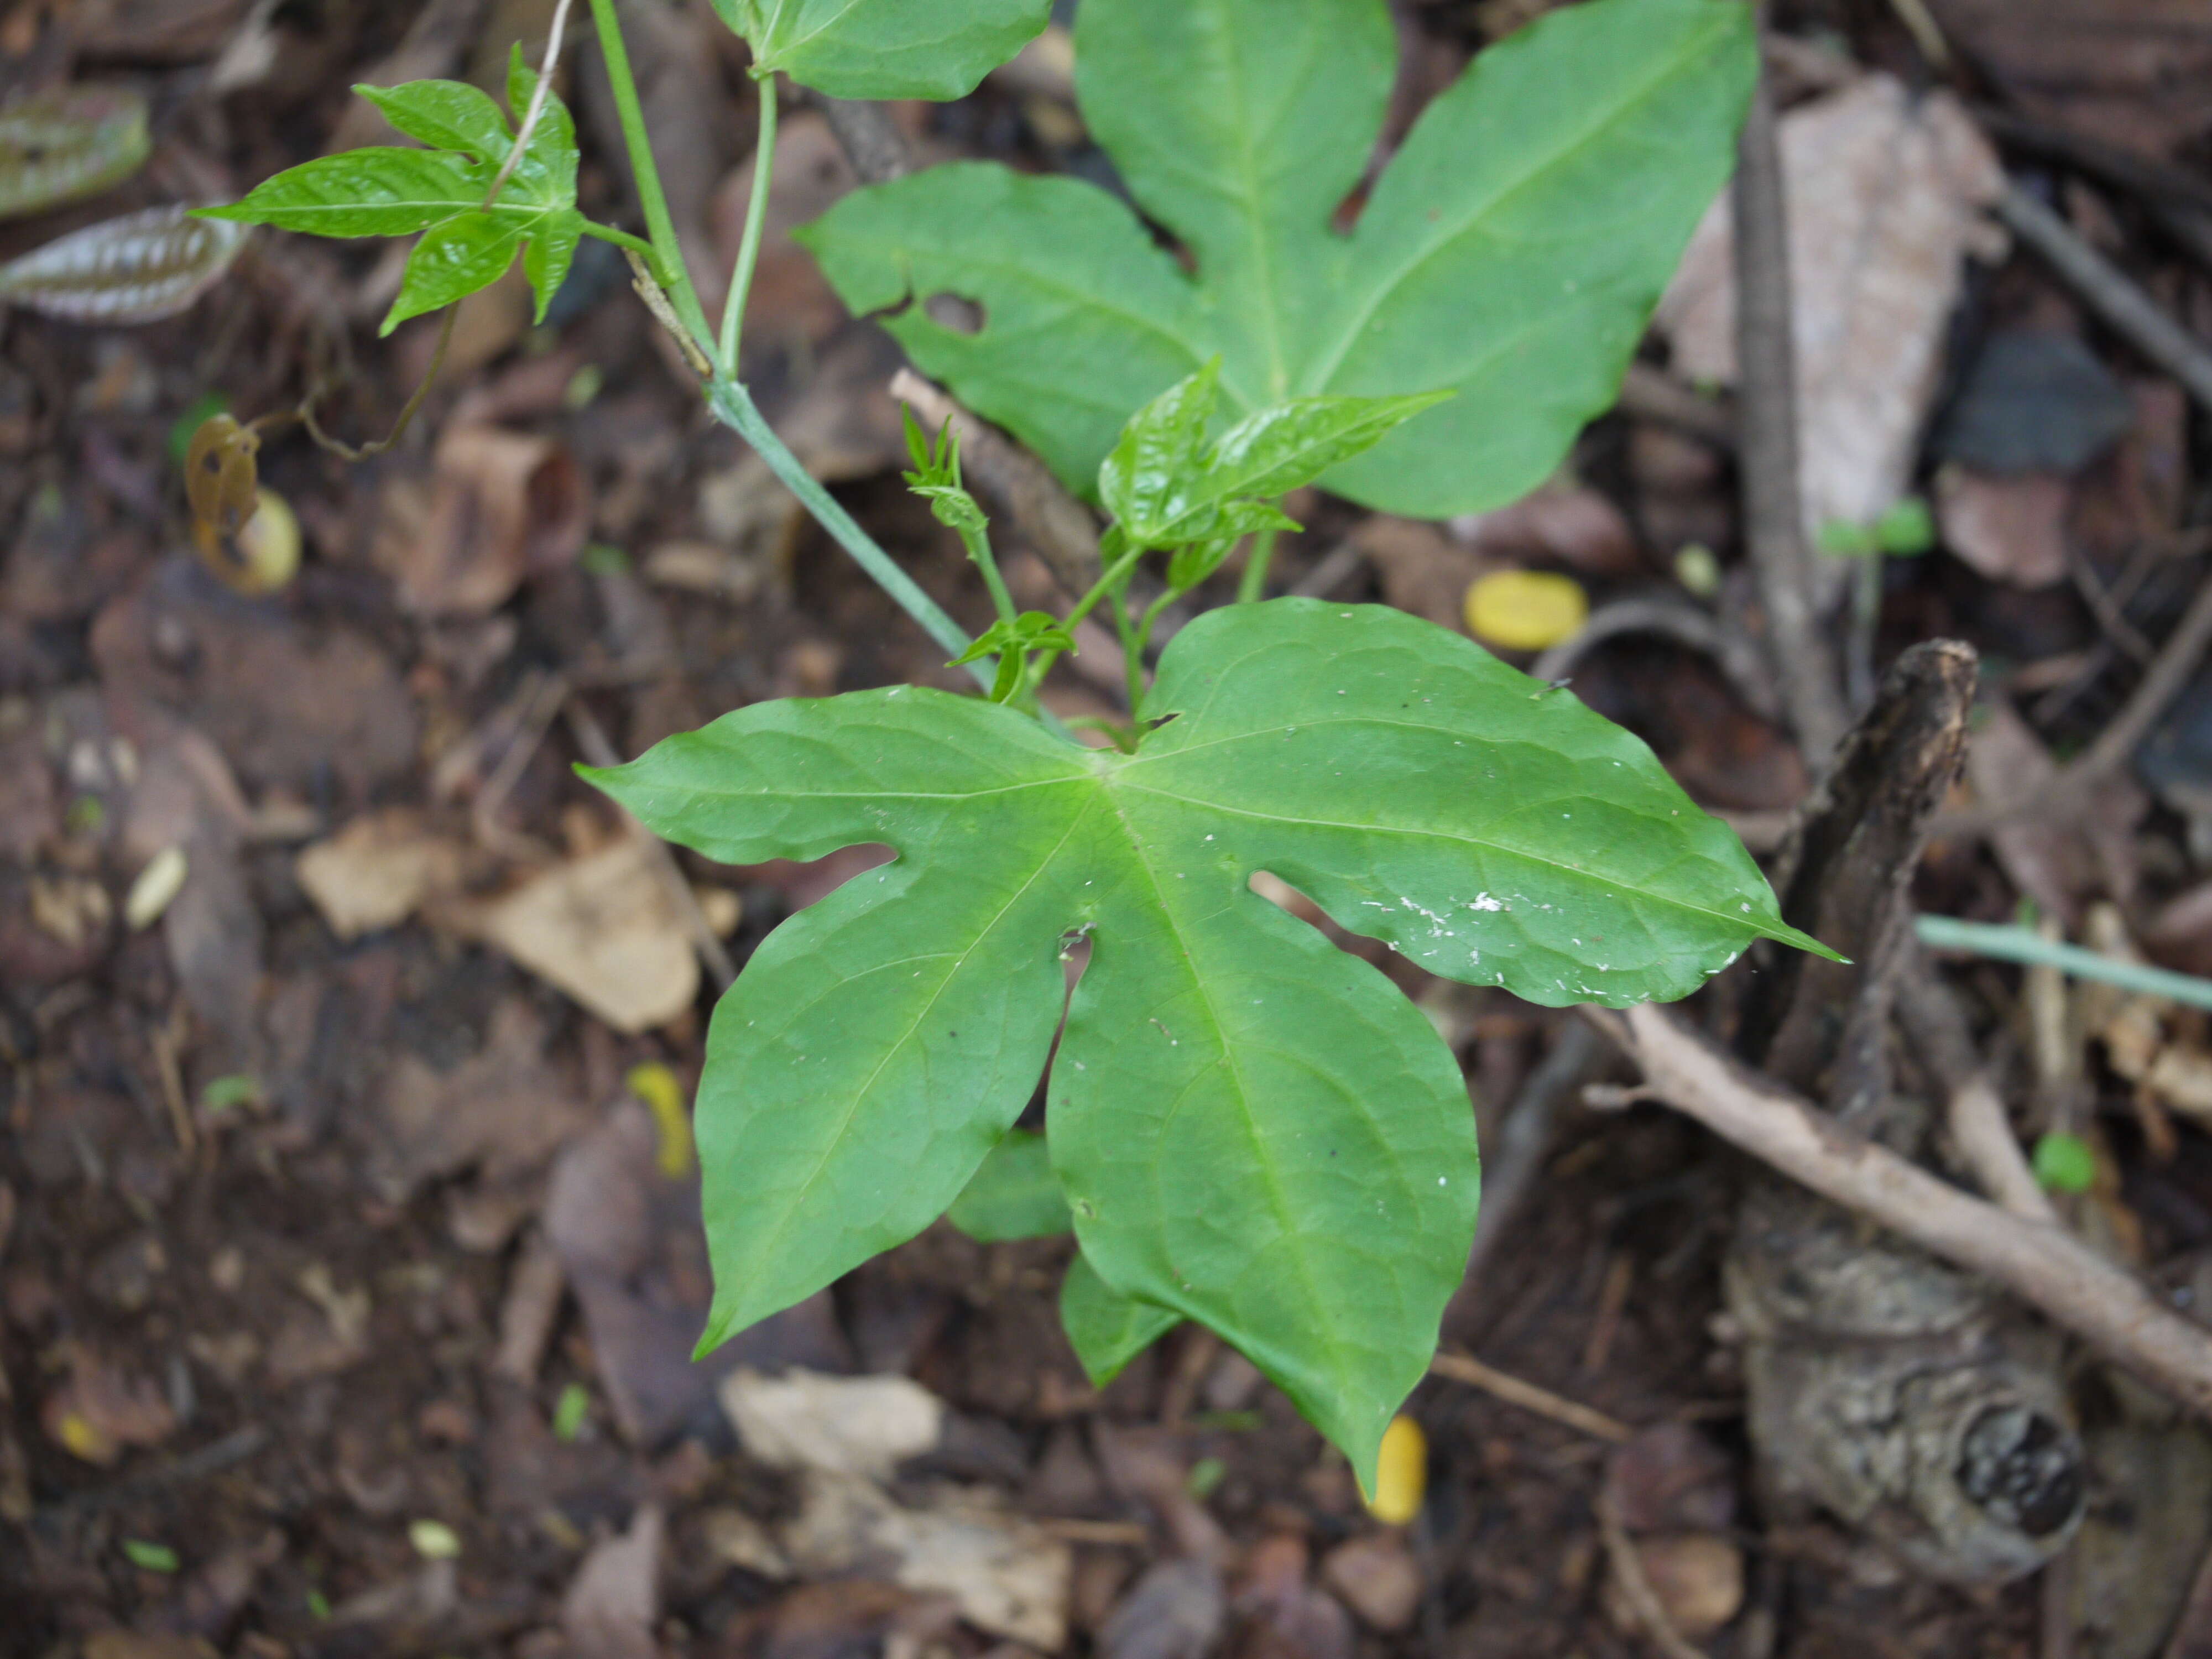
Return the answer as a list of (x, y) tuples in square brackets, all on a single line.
[(84, 1438), (656, 1085), (1525, 609), (157, 885), (1401, 1476), (434, 1540)]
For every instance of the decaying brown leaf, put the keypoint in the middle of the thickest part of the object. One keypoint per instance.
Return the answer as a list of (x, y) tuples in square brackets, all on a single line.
[(1886, 192), (602, 927)]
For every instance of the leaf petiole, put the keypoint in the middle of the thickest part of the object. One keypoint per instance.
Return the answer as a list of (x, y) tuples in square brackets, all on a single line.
[(741, 279), (637, 245)]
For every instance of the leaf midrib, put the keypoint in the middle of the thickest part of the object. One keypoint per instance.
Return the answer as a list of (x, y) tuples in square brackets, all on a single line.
[(1278, 1199), (955, 963)]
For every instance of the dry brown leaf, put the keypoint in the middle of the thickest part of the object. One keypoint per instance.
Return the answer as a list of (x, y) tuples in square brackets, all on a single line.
[(614, 1601), (499, 506), (602, 927), (103, 1409), (1886, 193), (853, 1425), (2010, 530), (1697, 1577), (1009, 1576), (377, 871)]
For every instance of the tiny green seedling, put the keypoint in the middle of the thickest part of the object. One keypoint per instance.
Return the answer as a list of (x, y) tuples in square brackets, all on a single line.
[(1244, 1125)]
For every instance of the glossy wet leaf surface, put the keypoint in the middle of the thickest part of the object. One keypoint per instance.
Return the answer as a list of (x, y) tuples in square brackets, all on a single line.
[(1512, 249), (1252, 1129), (386, 191)]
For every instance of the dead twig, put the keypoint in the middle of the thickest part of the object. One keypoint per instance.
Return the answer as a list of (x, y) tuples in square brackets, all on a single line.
[(869, 138), (1054, 523), (2110, 292), (2050, 1270), (536, 112), (1636, 1584), (1981, 1130), (1652, 394), (1774, 526), (1733, 652), (1514, 1391)]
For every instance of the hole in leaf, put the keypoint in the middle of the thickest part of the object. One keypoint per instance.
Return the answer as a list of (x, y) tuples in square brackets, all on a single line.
[(955, 312)]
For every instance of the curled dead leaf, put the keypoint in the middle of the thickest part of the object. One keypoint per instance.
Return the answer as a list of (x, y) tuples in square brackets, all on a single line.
[(139, 268)]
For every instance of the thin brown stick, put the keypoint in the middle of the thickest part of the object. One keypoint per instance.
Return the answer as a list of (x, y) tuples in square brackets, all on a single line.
[(1652, 394), (2110, 292), (869, 138), (536, 112), (1981, 1128), (1774, 526), (1514, 1391), (1636, 1584), (2050, 1270)]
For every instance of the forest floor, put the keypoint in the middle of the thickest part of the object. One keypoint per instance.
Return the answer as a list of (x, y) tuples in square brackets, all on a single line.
[(349, 1261)]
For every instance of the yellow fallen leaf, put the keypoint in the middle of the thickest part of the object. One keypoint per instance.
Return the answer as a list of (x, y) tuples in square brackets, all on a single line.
[(656, 1085), (1525, 609), (1401, 1476)]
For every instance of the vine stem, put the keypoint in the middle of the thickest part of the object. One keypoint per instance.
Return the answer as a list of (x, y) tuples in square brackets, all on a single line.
[(741, 280), (2023, 944), (979, 549), (651, 197), (734, 406)]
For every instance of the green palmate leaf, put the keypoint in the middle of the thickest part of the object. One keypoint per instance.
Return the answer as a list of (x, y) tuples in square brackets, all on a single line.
[(1014, 1195), (56, 147), (386, 191), (937, 49), (1252, 1129), (1511, 250), (1106, 1329)]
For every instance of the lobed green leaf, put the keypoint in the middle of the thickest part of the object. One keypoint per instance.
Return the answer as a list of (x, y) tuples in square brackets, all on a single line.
[(1511, 250), (1252, 1128)]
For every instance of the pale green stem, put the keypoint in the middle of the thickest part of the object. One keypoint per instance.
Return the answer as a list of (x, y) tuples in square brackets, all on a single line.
[(677, 277), (1084, 607), (741, 280), (1133, 659), (1254, 583), (734, 407), (2022, 944), (979, 548)]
